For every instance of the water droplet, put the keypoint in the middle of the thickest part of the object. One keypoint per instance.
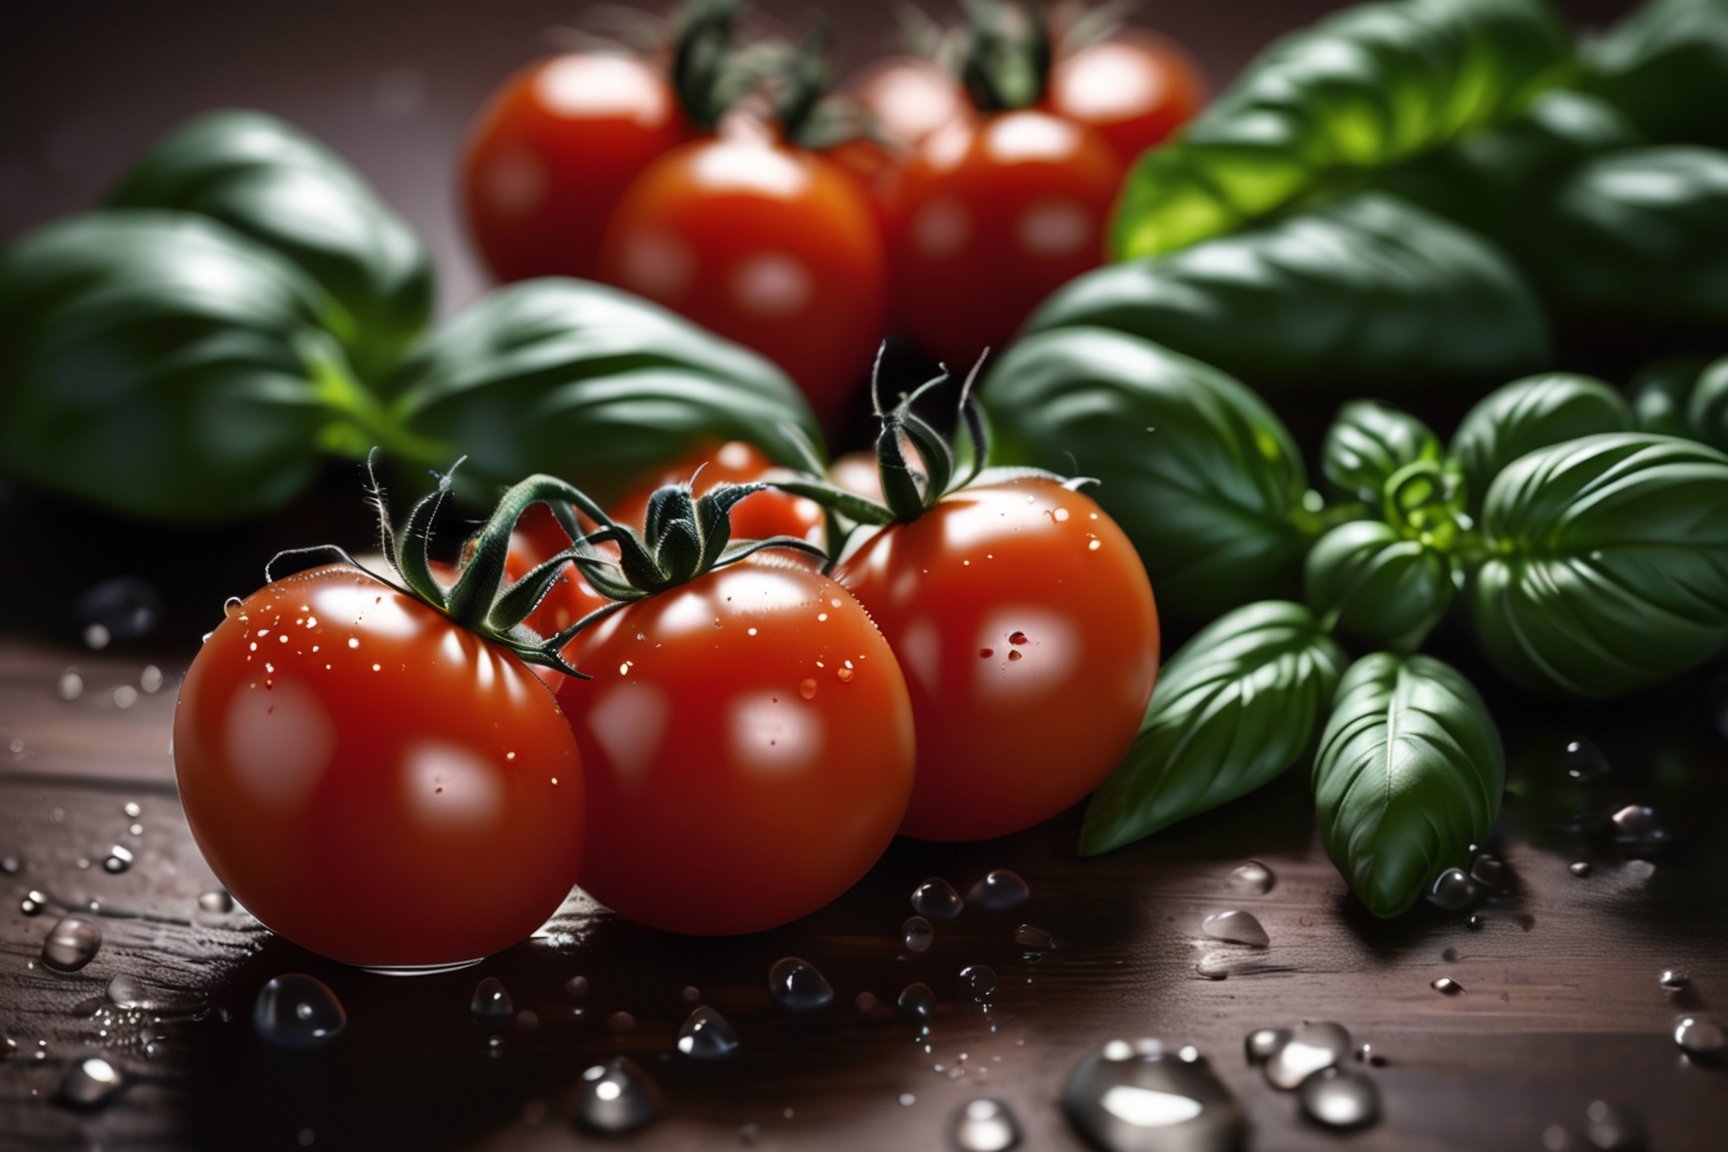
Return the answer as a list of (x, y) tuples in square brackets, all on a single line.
[(1251, 879), (1309, 1048), (1235, 927), (1611, 1129), (90, 1082), (1488, 871), (1213, 966), (33, 903), (984, 1126), (707, 1035), (621, 1022), (1366, 1055), (1145, 1097), (617, 1096), (125, 992), (1583, 762), (216, 901), (999, 889), (1579, 868), (866, 1003), (71, 685), (297, 1011), (10, 865), (1637, 825), (1453, 891), (917, 1002), (981, 979), (71, 944), (1446, 986), (132, 810), (123, 608), (1033, 938), (691, 994), (124, 696), (231, 607), (1701, 1039), (491, 1000), (1339, 1098), (150, 679), (1672, 979), (1262, 1044), (119, 859), (1014, 654), (798, 985), (917, 934), (576, 986), (807, 689), (1474, 922), (937, 899), (845, 672)]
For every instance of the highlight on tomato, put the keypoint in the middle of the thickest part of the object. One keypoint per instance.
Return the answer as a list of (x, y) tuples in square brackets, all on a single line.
[(1020, 614), (370, 767), (746, 734)]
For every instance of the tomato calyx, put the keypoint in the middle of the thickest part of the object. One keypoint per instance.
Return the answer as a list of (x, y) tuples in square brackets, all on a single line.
[(705, 71), (1008, 56)]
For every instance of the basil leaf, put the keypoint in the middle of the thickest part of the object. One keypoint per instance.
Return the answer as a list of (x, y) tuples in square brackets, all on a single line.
[(1660, 393), (1408, 776), (590, 384), (1380, 585), (1529, 414), (1373, 86), (1367, 290), (1707, 406), (1195, 468), (161, 366), (1666, 67), (1367, 444), (1608, 564), (1234, 708), (288, 192)]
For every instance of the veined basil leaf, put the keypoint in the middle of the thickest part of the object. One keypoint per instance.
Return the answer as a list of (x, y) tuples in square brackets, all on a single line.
[(1367, 444), (1234, 708), (1365, 290), (1529, 414), (161, 365), (1666, 67), (1608, 564), (591, 384), (281, 188), (1382, 586), (1195, 468), (1408, 776), (1373, 86)]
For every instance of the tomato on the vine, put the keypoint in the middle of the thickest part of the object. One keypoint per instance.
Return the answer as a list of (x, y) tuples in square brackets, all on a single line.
[(908, 98), (756, 517), (1134, 88)]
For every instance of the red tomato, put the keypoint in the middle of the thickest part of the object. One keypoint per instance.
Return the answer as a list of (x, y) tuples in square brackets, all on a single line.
[(997, 215), (374, 782), (550, 156), (773, 247), (748, 746), (907, 98), (756, 517), (1024, 623), (1133, 89)]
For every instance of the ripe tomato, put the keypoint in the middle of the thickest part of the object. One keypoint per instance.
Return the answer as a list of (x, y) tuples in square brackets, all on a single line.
[(756, 517), (1134, 89), (908, 98), (769, 245), (1025, 625), (551, 154), (374, 782), (997, 215), (748, 746)]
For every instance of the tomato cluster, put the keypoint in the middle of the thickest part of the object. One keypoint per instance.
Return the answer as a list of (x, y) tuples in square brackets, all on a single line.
[(959, 198)]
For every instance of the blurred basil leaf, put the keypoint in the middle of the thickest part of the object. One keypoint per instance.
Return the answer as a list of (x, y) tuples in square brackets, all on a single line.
[(1408, 776), (1367, 444), (1528, 414), (1666, 67), (1660, 393)]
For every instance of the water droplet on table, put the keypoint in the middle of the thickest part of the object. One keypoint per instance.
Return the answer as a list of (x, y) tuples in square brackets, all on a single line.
[(10, 865), (1339, 1098), (1251, 879), (998, 890), (1147, 1097), (491, 1000), (90, 1082), (125, 992), (1638, 826), (798, 985), (1673, 979), (937, 899), (132, 810), (1446, 986), (297, 1011), (707, 1035), (917, 1001), (1236, 927), (917, 934), (1579, 868), (1262, 1044), (1488, 871), (1309, 1048), (70, 686), (1033, 938), (576, 986), (984, 1126), (71, 944), (119, 859), (1583, 762), (1701, 1039), (981, 979), (33, 903), (1611, 1129), (617, 1097), (621, 1022), (1452, 891)]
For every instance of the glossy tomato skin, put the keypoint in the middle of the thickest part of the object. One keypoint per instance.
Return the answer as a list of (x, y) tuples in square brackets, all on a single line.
[(373, 782), (749, 750), (907, 99), (756, 517), (551, 154), (1026, 629), (774, 247), (1133, 89), (997, 214)]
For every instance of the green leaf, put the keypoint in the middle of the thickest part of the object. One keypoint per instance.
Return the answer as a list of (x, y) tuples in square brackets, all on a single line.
[(1660, 393), (1707, 406), (1408, 776), (1528, 414), (1367, 444), (1608, 564), (162, 366), (1666, 67), (1195, 468), (265, 179), (1234, 708), (1365, 291), (589, 384), (1373, 86), (1380, 585)]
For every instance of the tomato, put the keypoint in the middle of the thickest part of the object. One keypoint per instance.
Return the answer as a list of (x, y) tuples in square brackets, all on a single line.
[(756, 517), (1025, 626), (997, 215), (772, 246), (748, 745), (1134, 89), (551, 154), (908, 98), (373, 781)]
